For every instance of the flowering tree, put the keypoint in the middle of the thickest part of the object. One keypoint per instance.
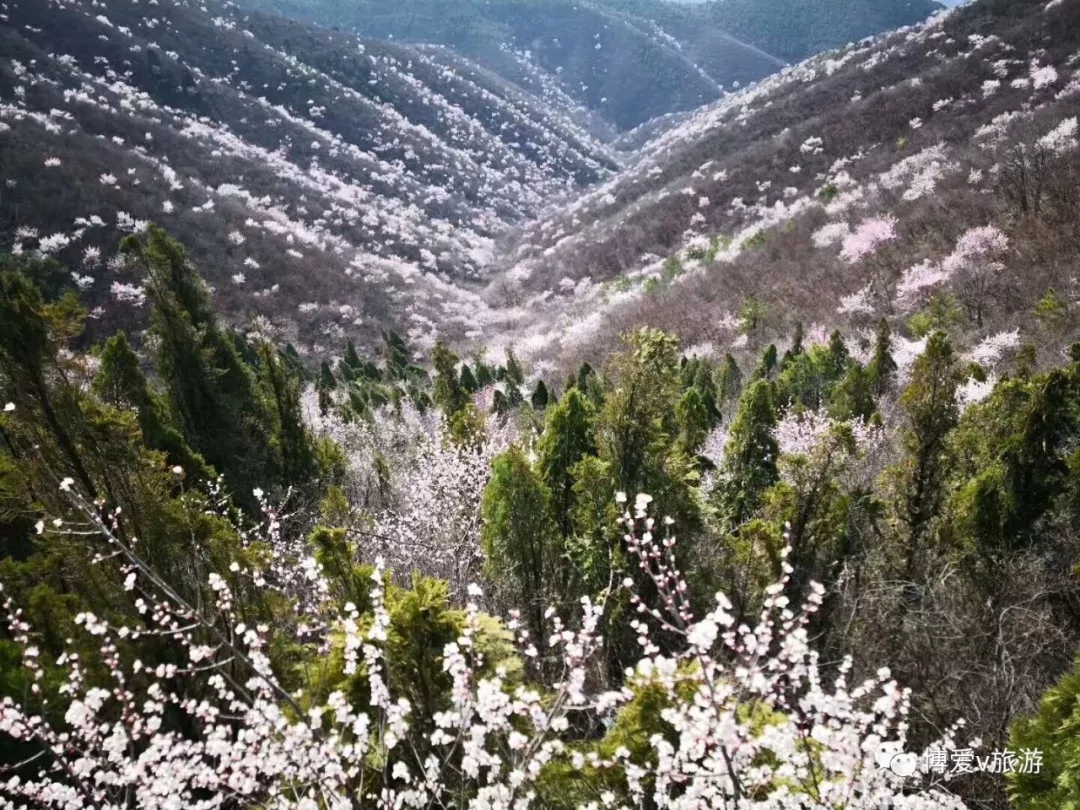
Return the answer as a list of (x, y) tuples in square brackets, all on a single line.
[(751, 718), (863, 245), (414, 494), (976, 270)]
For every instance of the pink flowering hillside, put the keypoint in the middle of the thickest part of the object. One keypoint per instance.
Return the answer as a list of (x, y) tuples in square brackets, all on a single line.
[(389, 425)]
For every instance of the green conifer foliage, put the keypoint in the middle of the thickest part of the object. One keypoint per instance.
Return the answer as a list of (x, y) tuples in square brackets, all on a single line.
[(882, 367), (567, 438), (120, 383), (930, 403), (212, 391), (750, 457), (520, 539)]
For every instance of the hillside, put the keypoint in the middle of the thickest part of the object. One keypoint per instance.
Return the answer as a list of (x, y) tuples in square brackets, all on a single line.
[(373, 435), (377, 172), (625, 64), (765, 195)]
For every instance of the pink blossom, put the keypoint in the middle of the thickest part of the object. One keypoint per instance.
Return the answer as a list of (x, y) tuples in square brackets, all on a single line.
[(868, 237)]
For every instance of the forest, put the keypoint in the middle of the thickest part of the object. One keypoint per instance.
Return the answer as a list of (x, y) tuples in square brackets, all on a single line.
[(231, 580)]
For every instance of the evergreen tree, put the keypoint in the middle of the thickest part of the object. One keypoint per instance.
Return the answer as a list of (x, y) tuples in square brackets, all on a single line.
[(120, 383), (729, 386), (484, 375), (521, 550), (749, 466), (567, 438), (767, 366), (449, 395), (31, 334), (692, 416), (837, 358), (539, 398), (351, 358), (882, 367), (930, 404), (514, 372), (853, 398), (796, 347), (396, 355), (293, 442), (325, 384), (468, 381), (212, 392)]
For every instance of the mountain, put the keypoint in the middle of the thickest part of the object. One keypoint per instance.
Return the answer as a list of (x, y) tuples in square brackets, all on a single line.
[(624, 67), (626, 60), (927, 133), (376, 172), (796, 29)]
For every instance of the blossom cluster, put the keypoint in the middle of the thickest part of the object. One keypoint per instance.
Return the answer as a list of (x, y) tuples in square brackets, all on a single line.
[(809, 738)]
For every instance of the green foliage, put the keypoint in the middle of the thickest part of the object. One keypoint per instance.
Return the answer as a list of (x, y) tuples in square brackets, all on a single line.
[(752, 315), (1054, 732), (520, 538), (212, 391), (882, 368), (120, 383), (729, 384), (929, 402), (750, 457), (539, 397), (942, 313), (755, 241), (566, 440), (1051, 311)]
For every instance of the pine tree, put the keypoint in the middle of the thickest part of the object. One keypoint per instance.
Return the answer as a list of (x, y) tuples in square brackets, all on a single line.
[(767, 366), (351, 358), (449, 395), (692, 416), (837, 359), (396, 355), (325, 384), (484, 375), (212, 392), (468, 381), (729, 386), (31, 334), (298, 465)]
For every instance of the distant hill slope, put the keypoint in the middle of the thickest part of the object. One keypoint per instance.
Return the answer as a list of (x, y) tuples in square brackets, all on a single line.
[(625, 67), (627, 60), (331, 184), (779, 193)]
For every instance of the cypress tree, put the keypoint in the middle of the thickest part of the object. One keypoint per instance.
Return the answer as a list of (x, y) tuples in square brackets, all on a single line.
[(297, 454), (729, 386), (930, 403), (521, 551), (749, 466), (212, 392), (567, 438), (468, 381), (882, 367), (351, 358), (449, 395), (120, 383), (539, 398), (767, 366)]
